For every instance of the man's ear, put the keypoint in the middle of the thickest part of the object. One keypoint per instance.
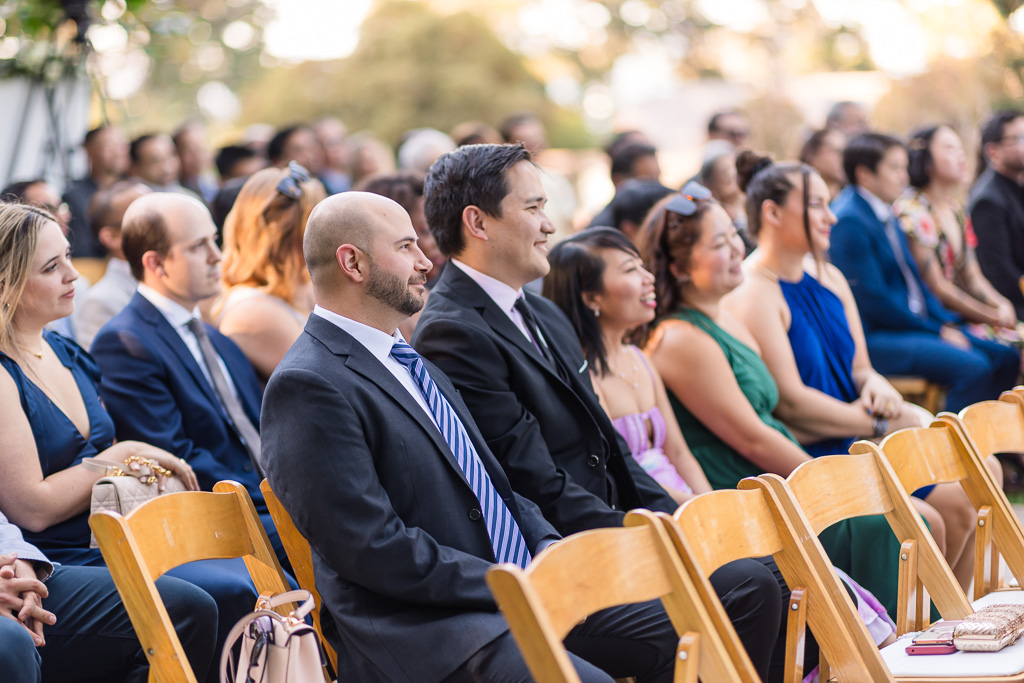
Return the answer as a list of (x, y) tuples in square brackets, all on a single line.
[(153, 262), (110, 238), (473, 220), (353, 262)]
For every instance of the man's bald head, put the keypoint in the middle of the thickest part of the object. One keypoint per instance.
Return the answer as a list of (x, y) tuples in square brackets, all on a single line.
[(346, 218), (147, 222)]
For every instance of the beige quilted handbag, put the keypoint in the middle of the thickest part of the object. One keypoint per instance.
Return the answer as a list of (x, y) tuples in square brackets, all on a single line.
[(121, 491)]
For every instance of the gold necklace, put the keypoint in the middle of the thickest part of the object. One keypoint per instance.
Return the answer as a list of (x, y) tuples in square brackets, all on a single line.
[(38, 355)]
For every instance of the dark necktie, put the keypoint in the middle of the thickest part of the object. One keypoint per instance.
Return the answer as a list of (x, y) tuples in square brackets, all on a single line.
[(506, 538), (915, 297), (531, 324), (244, 427)]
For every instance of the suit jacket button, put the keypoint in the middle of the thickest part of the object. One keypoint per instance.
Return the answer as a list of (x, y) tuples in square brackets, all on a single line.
[(594, 460), (475, 515)]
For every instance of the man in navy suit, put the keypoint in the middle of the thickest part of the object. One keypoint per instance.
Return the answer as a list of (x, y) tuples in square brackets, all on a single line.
[(158, 383), (908, 332), (174, 382), (399, 495)]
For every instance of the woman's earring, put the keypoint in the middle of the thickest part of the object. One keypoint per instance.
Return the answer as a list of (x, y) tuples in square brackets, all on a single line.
[(683, 279), (597, 311)]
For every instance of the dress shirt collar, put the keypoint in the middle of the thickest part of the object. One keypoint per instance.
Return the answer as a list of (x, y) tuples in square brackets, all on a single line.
[(176, 314), (502, 294), (376, 342), (882, 210)]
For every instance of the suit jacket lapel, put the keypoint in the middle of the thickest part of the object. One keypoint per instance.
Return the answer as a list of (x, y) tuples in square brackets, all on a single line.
[(361, 361), (169, 336), (461, 288)]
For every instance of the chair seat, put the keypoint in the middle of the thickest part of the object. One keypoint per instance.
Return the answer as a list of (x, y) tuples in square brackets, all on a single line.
[(1007, 662)]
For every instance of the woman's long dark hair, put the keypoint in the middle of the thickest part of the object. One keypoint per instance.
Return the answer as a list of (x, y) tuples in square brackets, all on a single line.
[(577, 269)]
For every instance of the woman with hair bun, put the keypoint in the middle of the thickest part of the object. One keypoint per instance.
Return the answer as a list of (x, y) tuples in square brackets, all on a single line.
[(802, 314)]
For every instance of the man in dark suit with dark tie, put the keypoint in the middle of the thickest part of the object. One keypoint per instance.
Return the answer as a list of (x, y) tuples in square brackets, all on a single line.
[(907, 330), (519, 366), (378, 461), (997, 205)]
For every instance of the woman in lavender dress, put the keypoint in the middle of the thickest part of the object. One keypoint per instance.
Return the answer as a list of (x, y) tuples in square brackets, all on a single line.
[(598, 279)]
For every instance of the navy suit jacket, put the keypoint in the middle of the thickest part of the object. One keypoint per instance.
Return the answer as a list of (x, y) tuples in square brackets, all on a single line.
[(862, 252), (400, 551), (555, 442), (155, 392)]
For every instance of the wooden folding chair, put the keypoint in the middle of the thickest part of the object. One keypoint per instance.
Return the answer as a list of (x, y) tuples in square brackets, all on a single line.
[(170, 531), (980, 431), (920, 391), (827, 490), (301, 557), (723, 526), (602, 568), (868, 486)]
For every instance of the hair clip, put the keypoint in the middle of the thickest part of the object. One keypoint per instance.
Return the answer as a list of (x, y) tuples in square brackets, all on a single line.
[(685, 203), (289, 185)]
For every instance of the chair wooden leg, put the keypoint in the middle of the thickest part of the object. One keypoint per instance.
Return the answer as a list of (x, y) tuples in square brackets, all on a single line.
[(687, 658), (824, 670), (982, 556), (796, 633), (907, 590)]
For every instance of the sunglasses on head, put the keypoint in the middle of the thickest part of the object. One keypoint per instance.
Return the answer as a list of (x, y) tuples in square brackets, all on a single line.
[(685, 203), (289, 185)]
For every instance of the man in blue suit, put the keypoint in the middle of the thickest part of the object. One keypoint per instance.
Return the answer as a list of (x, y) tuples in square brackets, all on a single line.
[(908, 332), (168, 378)]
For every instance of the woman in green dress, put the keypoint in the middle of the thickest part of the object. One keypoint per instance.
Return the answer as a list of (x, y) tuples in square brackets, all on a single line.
[(721, 391)]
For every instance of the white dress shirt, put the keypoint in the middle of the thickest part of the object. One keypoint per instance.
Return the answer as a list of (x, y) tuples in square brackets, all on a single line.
[(502, 295), (379, 345), (178, 316), (103, 301), (882, 210)]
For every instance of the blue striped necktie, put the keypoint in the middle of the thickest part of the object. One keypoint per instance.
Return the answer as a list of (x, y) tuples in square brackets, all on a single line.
[(506, 538)]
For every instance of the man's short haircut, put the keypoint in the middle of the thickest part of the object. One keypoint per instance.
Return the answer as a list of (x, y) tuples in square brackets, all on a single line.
[(837, 112), (141, 233), (275, 148), (230, 155), (715, 122), (993, 131), (513, 121), (135, 149), (474, 175), (634, 199), (99, 214), (94, 133), (626, 156), (15, 192), (866, 149)]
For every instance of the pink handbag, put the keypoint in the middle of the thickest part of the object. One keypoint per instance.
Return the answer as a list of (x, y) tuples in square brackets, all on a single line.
[(274, 649)]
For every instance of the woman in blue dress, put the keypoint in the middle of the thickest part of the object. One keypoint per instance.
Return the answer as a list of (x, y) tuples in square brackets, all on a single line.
[(802, 313), (51, 417)]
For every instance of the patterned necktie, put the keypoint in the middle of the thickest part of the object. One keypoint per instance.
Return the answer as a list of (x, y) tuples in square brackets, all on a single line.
[(244, 427), (915, 297), (531, 324), (506, 538)]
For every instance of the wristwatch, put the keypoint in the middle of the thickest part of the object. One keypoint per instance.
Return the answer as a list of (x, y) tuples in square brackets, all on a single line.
[(880, 425)]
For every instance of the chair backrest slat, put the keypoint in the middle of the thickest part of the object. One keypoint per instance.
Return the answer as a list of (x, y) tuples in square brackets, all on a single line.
[(740, 519), (813, 485), (924, 456), (996, 426)]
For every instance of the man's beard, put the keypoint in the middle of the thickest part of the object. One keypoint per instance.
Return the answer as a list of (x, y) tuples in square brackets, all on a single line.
[(393, 292)]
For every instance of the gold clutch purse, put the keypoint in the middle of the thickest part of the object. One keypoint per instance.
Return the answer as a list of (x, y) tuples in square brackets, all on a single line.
[(990, 629)]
